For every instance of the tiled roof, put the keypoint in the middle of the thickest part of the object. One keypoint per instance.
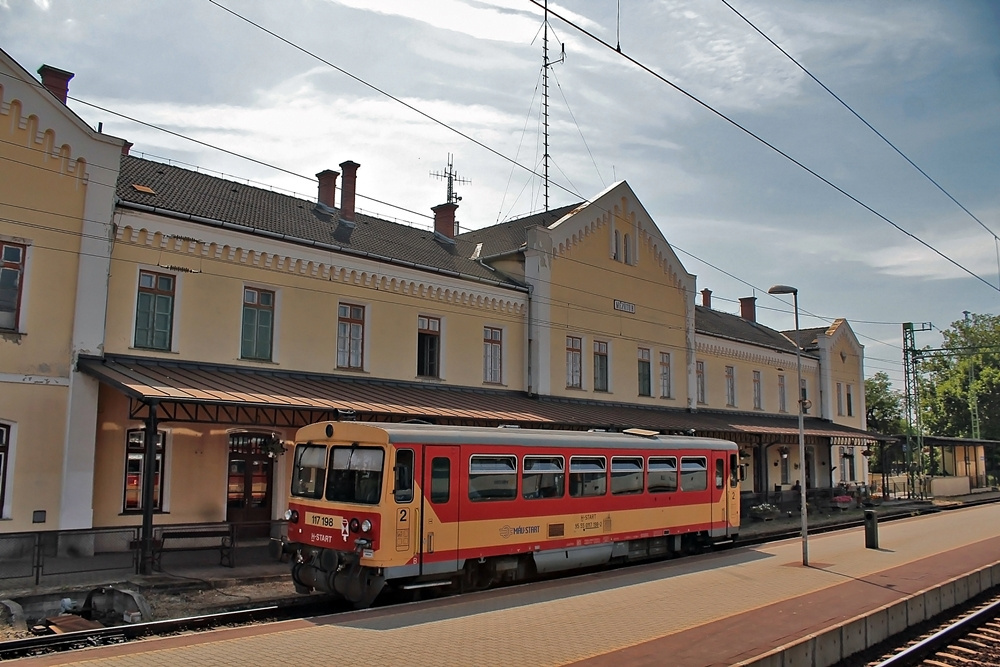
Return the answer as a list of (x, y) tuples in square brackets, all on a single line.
[(808, 338), (189, 193), (509, 236), (243, 394), (733, 327)]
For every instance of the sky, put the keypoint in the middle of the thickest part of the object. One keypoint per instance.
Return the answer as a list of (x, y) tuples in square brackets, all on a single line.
[(398, 86)]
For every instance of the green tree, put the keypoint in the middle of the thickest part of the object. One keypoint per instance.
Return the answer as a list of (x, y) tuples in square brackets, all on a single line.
[(883, 406), (968, 361)]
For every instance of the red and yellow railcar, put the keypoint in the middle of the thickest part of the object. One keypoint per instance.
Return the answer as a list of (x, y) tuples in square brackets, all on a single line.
[(417, 505)]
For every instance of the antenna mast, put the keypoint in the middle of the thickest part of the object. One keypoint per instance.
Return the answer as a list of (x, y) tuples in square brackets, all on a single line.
[(545, 99), (452, 178)]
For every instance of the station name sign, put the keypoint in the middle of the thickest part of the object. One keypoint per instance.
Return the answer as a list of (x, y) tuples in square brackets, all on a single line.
[(625, 306)]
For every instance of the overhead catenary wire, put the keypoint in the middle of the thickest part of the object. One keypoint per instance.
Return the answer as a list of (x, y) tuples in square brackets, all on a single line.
[(286, 170), (644, 68), (862, 119), (765, 142)]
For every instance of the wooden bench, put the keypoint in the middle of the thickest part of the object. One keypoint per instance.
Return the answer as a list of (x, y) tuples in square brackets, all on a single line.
[(226, 536)]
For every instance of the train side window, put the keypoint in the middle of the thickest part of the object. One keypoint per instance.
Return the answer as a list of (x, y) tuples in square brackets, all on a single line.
[(543, 477), (734, 471), (661, 474), (403, 488), (588, 476), (626, 475), (309, 471), (694, 473), (492, 477), (720, 473), (440, 480)]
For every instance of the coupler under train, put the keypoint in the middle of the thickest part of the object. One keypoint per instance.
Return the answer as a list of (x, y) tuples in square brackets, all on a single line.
[(333, 572)]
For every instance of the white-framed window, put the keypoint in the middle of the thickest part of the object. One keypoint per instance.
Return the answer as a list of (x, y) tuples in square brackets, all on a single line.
[(645, 373), (574, 362), (154, 312), (492, 355), (13, 257), (699, 369), (135, 452), (600, 365), (616, 246), (665, 384), (850, 401), (258, 324), (758, 398), (627, 249), (840, 399), (731, 386), (350, 336), (429, 346), (782, 400)]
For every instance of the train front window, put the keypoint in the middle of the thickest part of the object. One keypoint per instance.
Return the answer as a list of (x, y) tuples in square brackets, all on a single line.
[(309, 471), (355, 475)]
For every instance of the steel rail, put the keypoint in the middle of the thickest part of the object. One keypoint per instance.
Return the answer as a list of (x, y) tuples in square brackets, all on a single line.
[(943, 638)]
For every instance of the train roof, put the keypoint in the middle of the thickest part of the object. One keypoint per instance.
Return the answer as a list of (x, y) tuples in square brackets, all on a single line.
[(429, 434)]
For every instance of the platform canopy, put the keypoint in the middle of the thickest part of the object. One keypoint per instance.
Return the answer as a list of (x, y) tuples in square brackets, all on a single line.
[(212, 393)]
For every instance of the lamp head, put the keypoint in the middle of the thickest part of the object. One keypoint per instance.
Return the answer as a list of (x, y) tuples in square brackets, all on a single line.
[(782, 289)]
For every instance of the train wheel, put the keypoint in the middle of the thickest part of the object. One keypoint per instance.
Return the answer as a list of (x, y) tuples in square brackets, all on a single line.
[(476, 576), (370, 585)]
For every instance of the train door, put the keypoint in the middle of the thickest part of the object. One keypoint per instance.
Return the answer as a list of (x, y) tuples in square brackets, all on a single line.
[(720, 493), (439, 511), (733, 493)]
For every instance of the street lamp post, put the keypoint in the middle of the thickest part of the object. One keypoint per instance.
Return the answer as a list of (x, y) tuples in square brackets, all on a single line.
[(786, 289)]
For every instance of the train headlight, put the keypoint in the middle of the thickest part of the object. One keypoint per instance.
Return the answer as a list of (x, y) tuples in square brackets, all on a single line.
[(355, 525), (366, 525), (291, 516)]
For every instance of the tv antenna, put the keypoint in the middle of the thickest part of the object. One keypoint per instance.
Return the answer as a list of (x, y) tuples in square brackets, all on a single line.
[(452, 178)]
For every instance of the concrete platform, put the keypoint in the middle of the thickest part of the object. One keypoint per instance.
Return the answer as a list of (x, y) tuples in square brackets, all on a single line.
[(749, 606)]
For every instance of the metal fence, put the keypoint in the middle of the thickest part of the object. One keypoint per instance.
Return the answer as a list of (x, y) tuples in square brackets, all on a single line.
[(57, 557)]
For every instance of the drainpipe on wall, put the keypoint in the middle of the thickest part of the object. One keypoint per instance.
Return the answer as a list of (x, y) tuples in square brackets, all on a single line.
[(531, 340), (148, 473)]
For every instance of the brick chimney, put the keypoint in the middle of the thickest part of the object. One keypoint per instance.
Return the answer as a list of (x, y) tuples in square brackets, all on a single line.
[(748, 308), (706, 298), (126, 147), (327, 187), (444, 219), (350, 170), (56, 81)]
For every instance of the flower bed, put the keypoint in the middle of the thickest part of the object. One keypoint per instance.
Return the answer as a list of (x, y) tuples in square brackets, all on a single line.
[(764, 512), (841, 502)]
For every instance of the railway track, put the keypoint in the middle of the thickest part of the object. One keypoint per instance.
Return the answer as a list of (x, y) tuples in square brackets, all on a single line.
[(71, 641), (970, 638)]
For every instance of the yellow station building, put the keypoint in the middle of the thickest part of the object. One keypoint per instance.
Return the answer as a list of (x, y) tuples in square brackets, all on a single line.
[(172, 328)]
